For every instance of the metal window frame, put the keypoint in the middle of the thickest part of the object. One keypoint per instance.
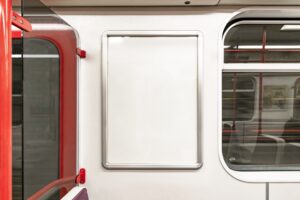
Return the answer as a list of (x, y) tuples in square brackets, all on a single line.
[(104, 99)]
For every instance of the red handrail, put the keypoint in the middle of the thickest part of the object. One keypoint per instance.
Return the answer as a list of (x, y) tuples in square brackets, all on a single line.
[(50, 186), (21, 22), (78, 179)]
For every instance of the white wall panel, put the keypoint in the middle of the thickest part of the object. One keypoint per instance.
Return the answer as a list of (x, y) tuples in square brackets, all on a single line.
[(211, 181), (280, 191)]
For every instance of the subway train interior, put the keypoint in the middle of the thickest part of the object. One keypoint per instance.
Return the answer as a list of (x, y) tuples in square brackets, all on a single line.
[(150, 99)]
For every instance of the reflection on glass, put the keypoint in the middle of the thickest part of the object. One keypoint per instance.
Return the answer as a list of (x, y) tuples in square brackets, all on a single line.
[(41, 115), (17, 120), (47, 156), (238, 91), (242, 57), (261, 43), (35, 116), (261, 121)]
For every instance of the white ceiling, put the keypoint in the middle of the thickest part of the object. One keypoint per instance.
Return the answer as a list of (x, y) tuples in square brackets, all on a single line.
[(259, 2), (128, 2), (163, 2)]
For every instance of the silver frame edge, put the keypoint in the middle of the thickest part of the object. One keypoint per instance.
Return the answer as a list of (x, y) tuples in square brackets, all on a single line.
[(104, 113)]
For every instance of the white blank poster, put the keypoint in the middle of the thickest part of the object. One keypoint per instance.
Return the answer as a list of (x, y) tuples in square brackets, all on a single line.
[(151, 103)]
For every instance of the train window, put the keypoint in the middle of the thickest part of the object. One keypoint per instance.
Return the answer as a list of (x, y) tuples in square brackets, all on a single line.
[(261, 43), (260, 101), (270, 138), (137, 67)]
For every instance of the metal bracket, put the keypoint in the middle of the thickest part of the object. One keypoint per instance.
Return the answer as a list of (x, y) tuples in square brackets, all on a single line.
[(81, 177), (81, 53), (21, 22)]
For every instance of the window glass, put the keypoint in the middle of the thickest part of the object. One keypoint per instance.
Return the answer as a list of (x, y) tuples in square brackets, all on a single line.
[(17, 119), (259, 43), (238, 90), (49, 104), (261, 121), (35, 116), (41, 114)]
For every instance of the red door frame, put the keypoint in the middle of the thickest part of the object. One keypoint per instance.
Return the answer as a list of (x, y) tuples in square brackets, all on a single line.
[(5, 101), (66, 43), (68, 92)]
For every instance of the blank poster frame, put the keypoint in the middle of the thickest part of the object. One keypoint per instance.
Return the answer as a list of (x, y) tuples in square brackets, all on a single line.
[(104, 96)]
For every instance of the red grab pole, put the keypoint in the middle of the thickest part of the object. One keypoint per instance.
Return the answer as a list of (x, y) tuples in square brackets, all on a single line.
[(5, 101)]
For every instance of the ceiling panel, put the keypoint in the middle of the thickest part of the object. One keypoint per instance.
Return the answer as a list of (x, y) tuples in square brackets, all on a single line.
[(259, 2), (128, 2)]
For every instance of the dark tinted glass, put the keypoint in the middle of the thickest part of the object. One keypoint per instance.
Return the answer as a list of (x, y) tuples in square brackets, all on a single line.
[(35, 116), (17, 119), (47, 156), (244, 35), (273, 43), (41, 114), (261, 121), (238, 91)]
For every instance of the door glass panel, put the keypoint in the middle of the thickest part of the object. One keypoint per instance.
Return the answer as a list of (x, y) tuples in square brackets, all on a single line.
[(261, 121), (41, 114), (35, 116), (17, 119)]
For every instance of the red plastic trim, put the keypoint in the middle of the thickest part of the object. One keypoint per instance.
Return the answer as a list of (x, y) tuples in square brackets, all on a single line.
[(5, 101), (21, 22), (81, 53), (16, 34), (81, 178)]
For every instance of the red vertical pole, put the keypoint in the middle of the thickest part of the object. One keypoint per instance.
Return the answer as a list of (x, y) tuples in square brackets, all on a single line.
[(5, 101), (234, 100), (260, 102), (264, 42)]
